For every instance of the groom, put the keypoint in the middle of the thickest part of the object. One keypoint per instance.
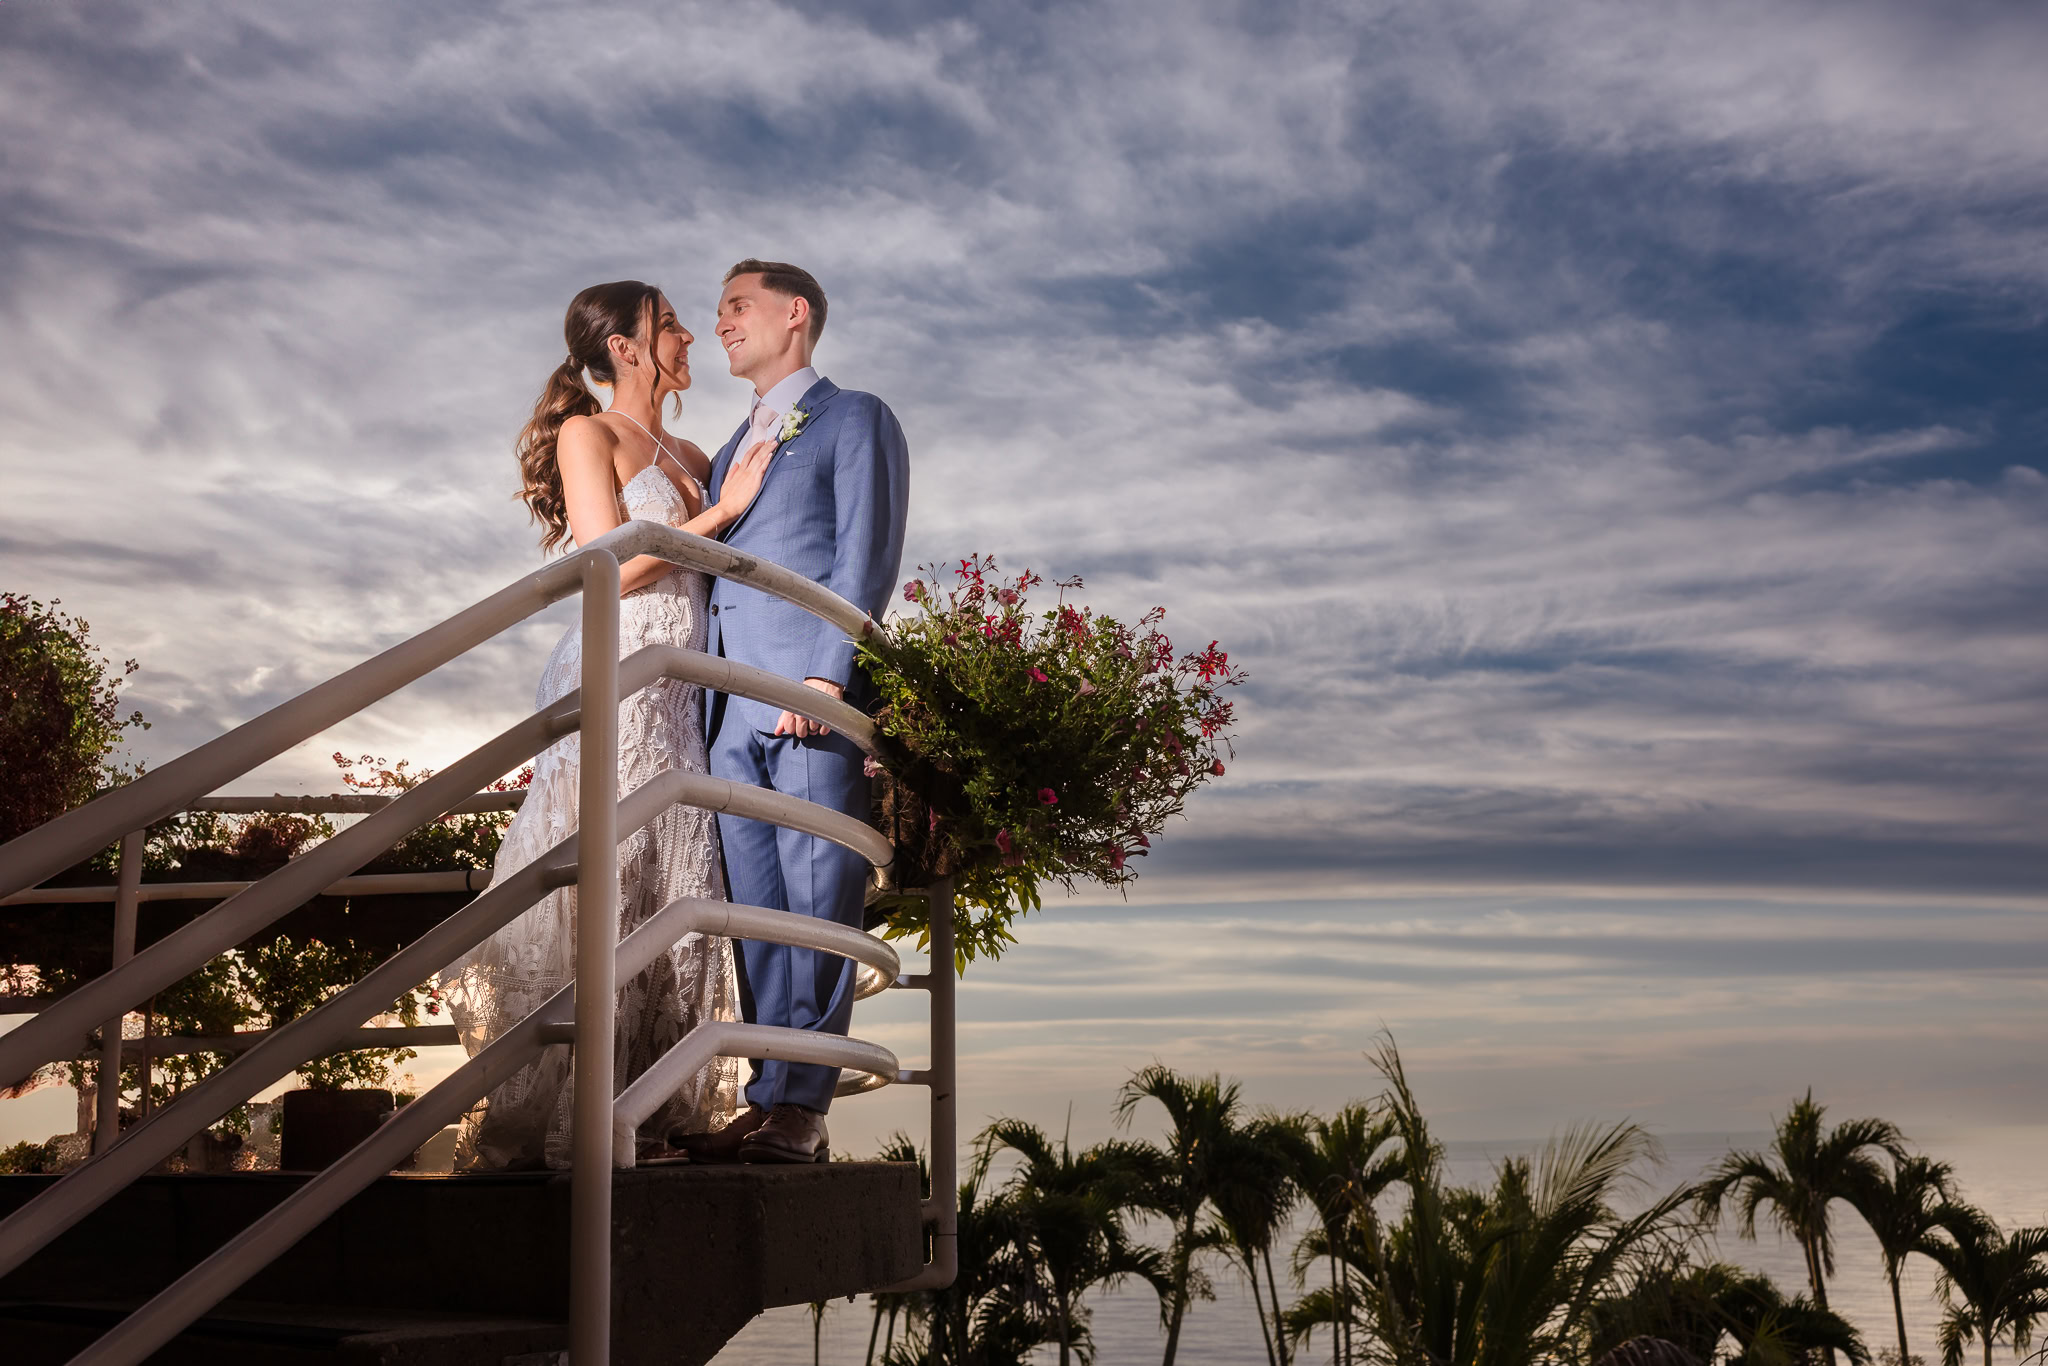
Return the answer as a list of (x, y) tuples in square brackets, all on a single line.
[(831, 507)]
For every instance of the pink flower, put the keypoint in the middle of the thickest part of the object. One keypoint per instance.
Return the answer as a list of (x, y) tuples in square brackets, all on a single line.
[(1217, 768), (1003, 842), (1006, 596), (1116, 856), (912, 591), (870, 767), (1048, 796), (1038, 676), (1086, 689), (934, 822), (1144, 843), (952, 640)]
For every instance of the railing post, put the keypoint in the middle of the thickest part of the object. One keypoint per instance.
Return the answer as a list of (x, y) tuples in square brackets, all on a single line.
[(106, 1129), (945, 1149), (597, 934)]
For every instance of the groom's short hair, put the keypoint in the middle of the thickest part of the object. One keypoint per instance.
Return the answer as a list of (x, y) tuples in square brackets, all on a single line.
[(793, 281)]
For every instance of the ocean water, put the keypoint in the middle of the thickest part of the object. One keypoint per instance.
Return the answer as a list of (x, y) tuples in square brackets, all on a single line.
[(2004, 1172)]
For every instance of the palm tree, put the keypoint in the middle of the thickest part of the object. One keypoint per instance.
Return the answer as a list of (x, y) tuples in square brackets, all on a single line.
[(1068, 1210), (1502, 1276), (2000, 1281), (1807, 1169), (1252, 1196), (1692, 1306), (1343, 1166), (899, 1148), (1901, 1209), (1773, 1330), (987, 1316), (1200, 1113)]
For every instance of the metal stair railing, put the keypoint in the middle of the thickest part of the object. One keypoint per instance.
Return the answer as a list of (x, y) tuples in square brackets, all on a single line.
[(57, 1030)]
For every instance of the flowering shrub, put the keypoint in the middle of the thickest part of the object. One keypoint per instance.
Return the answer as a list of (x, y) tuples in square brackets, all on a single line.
[(470, 840), (1020, 748)]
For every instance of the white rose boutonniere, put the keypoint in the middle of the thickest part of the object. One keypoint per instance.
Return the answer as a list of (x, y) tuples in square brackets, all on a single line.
[(793, 423)]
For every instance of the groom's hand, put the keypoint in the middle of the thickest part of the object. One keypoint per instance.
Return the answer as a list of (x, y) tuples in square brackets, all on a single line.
[(802, 727)]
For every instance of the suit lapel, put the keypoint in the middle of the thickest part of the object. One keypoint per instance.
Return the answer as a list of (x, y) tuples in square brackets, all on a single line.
[(814, 400)]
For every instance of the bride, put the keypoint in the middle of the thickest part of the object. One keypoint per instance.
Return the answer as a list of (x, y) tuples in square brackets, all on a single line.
[(588, 470)]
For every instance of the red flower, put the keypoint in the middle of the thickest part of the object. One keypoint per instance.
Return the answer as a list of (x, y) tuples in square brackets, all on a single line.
[(1144, 843), (1116, 856), (1037, 676), (1003, 842), (1217, 768), (1048, 796)]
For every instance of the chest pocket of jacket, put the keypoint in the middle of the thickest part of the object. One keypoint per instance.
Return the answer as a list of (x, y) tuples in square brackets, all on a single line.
[(800, 458)]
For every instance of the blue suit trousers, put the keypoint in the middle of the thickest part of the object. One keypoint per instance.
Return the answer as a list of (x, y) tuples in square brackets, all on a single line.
[(787, 870)]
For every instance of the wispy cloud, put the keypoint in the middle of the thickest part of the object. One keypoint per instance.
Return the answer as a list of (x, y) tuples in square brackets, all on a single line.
[(1613, 440)]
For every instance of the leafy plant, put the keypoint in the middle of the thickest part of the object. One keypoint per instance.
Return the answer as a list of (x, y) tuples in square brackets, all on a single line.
[(286, 980), (469, 840), (60, 714), (1023, 748)]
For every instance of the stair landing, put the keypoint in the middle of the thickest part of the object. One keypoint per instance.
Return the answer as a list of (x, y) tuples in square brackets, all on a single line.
[(473, 1269)]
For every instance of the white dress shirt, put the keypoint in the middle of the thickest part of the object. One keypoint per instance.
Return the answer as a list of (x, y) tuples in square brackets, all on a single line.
[(785, 395)]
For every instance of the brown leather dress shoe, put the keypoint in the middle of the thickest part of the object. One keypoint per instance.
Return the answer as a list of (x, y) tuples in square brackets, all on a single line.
[(724, 1145), (792, 1134)]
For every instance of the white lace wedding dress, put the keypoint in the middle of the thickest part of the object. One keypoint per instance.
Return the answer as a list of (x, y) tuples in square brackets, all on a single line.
[(526, 1120)]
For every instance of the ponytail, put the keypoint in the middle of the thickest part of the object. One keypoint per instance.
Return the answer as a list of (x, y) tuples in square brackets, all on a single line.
[(565, 396), (624, 307)]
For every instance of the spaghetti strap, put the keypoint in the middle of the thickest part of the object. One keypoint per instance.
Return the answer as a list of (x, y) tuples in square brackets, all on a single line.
[(661, 449)]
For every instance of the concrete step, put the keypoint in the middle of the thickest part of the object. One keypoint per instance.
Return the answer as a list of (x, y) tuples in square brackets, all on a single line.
[(697, 1252), (51, 1333)]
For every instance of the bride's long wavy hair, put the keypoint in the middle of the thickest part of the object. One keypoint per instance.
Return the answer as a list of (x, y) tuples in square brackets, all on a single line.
[(626, 308)]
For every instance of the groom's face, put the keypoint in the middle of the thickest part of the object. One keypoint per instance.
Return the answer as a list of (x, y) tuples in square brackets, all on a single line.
[(755, 326)]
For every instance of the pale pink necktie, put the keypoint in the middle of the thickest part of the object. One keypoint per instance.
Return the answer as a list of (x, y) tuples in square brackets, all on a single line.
[(762, 428)]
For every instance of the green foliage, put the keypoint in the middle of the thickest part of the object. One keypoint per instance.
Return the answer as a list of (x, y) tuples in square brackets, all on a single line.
[(1807, 1169), (285, 980), (1023, 749), (1695, 1306), (1903, 1208), (464, 841), (1993, 1284), (27, 1159), (59, 714), (1069, 1210)]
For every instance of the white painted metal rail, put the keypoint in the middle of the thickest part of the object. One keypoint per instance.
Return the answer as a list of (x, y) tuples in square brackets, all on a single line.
[(602, 1125)]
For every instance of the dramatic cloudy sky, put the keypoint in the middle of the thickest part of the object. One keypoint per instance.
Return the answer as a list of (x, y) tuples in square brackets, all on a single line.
[(1613, 437)]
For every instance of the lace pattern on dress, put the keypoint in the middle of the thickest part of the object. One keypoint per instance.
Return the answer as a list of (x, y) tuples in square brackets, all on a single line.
[(525, 1121)]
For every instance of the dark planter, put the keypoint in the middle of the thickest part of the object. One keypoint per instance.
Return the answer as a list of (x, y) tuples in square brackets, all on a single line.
[(321, 1126)]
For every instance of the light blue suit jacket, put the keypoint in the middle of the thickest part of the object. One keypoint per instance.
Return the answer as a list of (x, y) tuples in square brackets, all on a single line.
[(832, 508)]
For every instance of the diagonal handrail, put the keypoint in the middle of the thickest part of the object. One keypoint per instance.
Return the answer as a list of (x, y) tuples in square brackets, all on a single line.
[(78, 834), (592, 571), (83, 1189), (178, 1305), (235, 919), (59, 1029), (185, 1300)]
